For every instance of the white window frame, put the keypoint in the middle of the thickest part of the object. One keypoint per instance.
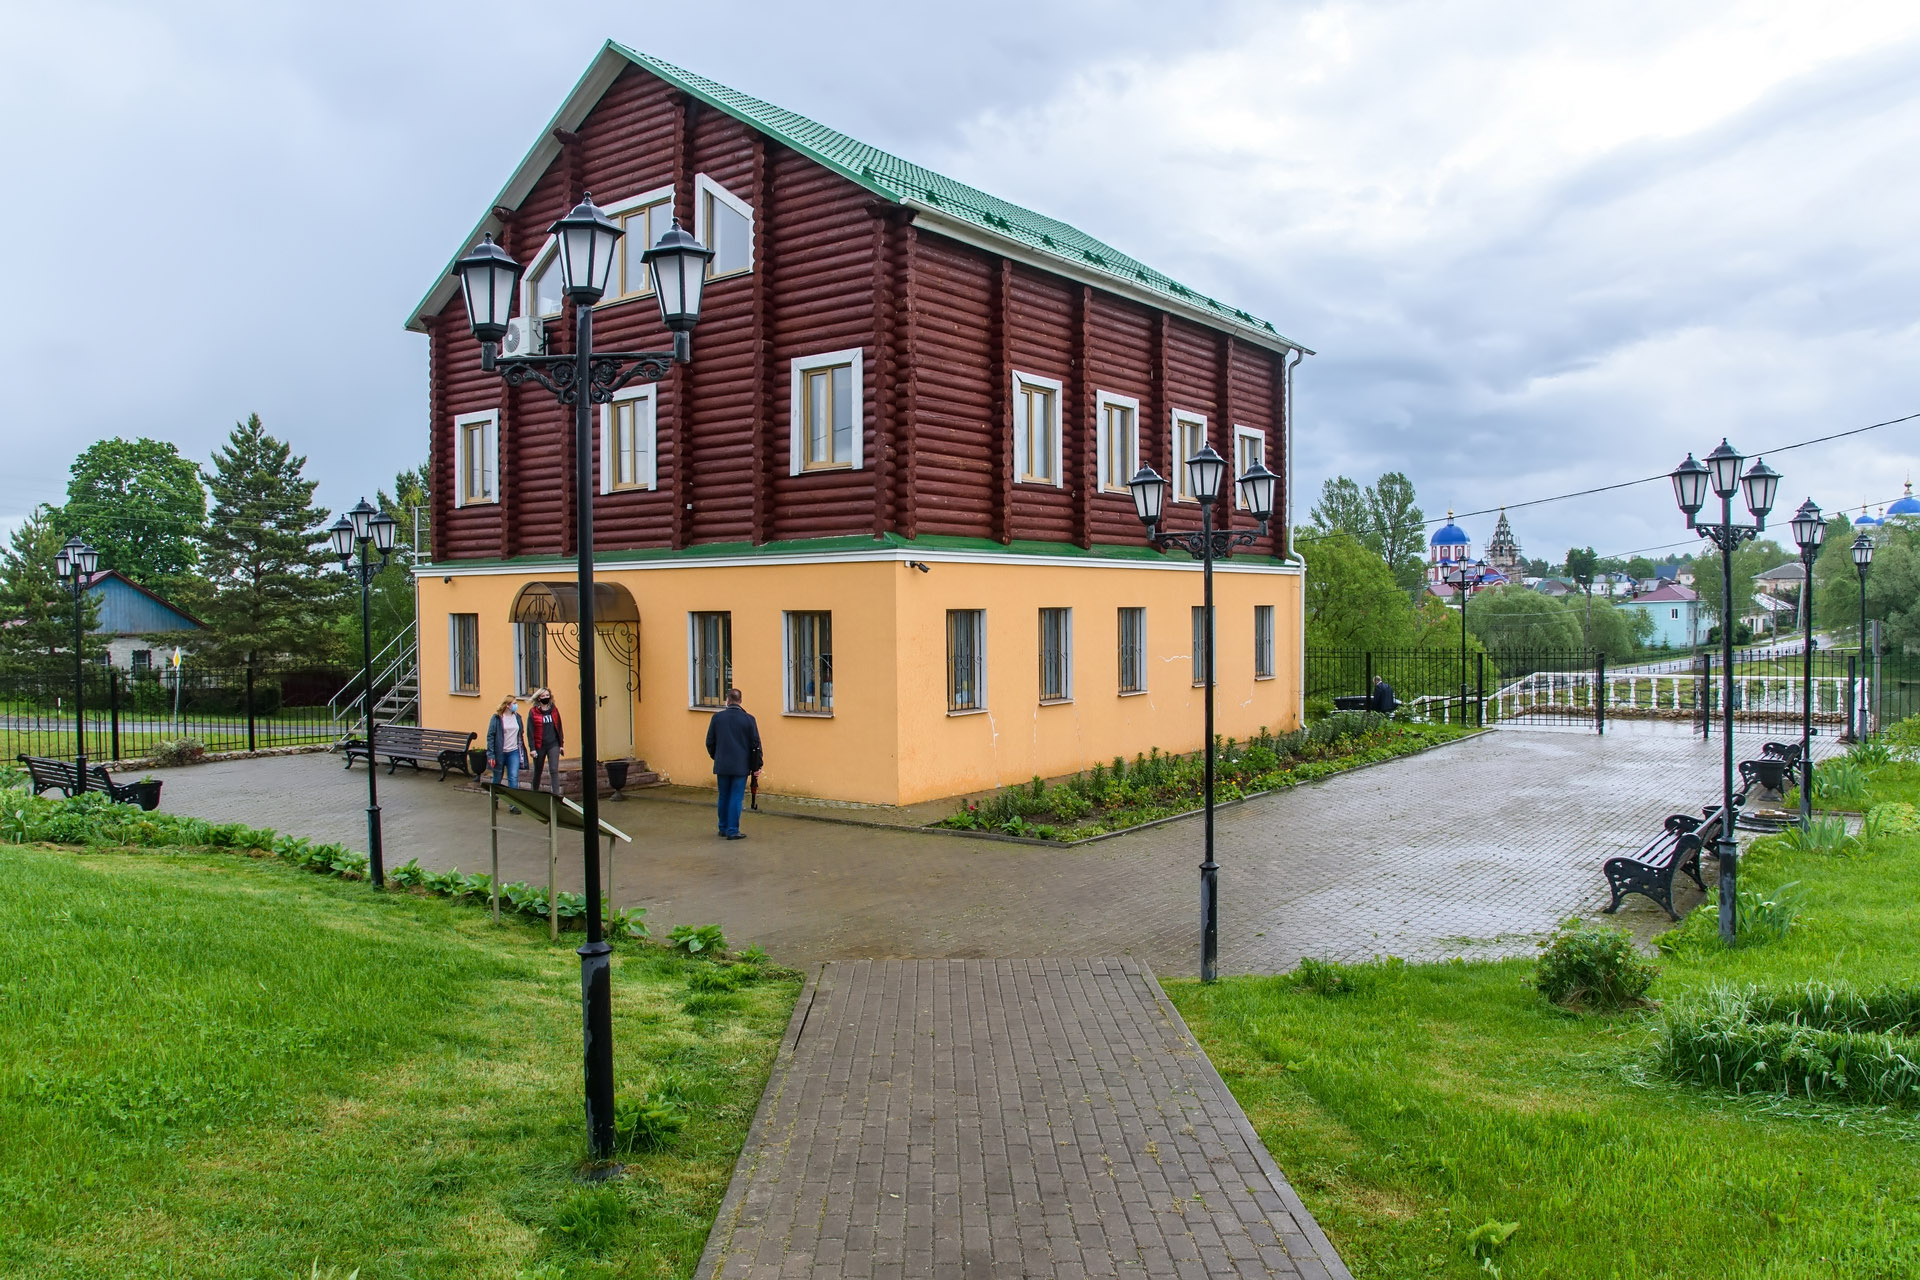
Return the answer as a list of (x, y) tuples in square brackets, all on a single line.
[(548, 251), (1066, 657), (981, 668), (453, 656), (1176, 459), (629, 395), (1102, 401), (1121, 642), (1245, 433), (619, 212), (796, 440), (703, 186), (693, 658), (1263, 642), (1022, 465), (787, 623), (491, 419)]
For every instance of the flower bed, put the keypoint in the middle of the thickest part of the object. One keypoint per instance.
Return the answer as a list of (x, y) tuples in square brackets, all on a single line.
[(1116, 796)]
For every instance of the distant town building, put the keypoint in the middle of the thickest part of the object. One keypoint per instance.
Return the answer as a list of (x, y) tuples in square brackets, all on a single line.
[(1449, 548), (136, 622), (1503, 553), (1675, 611)]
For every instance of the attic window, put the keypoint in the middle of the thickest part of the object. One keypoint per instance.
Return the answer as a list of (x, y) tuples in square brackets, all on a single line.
[(724, 223)]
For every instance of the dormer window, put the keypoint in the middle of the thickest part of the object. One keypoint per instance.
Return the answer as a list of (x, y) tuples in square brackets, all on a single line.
[(724, 223)]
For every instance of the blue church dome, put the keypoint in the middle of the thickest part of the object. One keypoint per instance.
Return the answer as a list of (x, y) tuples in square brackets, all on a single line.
[(1864, 521), (1450, 535), (1907, 506)]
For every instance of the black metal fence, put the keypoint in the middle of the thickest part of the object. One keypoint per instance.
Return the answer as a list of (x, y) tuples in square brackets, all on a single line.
[(130, 713)]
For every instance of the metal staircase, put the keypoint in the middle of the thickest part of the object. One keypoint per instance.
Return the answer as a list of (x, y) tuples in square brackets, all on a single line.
[(396, 670)]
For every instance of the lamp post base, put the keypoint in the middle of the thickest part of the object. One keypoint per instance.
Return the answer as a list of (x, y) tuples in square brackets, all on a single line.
[(376, 861), (1209, 919), (596, 1016)]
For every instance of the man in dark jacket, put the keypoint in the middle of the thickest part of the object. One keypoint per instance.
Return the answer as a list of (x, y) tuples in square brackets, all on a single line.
[(1383, 700), (733, 740)]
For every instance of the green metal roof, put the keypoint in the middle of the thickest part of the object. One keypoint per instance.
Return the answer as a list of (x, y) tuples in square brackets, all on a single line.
[(907, 183)]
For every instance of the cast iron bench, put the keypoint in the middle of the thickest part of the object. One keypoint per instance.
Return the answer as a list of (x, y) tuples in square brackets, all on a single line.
[(47, 774), (1678, 847), (396, 742), (1774, 769), (1353, 702)]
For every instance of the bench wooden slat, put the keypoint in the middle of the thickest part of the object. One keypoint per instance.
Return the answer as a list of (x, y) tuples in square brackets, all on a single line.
[(445, 747), (1649, 871), (48, 774)]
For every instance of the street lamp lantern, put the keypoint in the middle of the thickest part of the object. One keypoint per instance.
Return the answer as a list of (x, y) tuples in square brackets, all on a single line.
[(62, 564), (1205, 470), (1809, 526), (341, 534), (488, 278), (678, 264), (1690, 486), (1862, 553), (1149, 496), (1256, 491), (361, 513), (75, 563), (385, 528), (1723, 465), (1759, 485), (587, 238)]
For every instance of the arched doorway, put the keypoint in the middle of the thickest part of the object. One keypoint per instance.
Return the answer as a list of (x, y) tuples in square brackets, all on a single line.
[(616, 619)]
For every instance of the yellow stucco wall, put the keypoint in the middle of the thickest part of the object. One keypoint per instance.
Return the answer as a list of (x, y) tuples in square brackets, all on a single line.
[(891, 739)]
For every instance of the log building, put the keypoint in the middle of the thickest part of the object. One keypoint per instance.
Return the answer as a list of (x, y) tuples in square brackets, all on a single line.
[(887, 498)]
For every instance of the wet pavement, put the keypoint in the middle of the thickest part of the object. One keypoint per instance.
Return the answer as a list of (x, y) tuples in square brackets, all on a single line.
[(1473, 849)]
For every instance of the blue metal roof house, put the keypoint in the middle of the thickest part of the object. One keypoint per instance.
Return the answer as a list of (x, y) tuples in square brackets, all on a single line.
[(135, 618)]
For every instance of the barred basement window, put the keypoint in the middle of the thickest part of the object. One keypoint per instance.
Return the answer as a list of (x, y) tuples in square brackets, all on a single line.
[(463, 652), (1133, 651), (1056, 655), (966, 659), (1202, 638), (1263, 642), (710, 653), (810, 663)]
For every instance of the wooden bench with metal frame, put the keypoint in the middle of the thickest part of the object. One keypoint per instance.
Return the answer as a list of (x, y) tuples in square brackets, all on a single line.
[(1649, 871), (397, 742), (47, 773)]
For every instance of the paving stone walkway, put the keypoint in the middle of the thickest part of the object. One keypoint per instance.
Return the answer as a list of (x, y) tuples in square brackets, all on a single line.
[(1010, 1119)]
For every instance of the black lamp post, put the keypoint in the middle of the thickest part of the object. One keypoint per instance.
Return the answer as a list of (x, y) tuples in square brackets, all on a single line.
[(1205, 472), (1464, 576), (1691, 480), (359, 527), (75, 564), (488, 279), (1809, 531), (1862, 559)]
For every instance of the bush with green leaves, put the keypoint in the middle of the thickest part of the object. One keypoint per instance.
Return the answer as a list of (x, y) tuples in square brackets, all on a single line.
[(1827, 836), (1903, 739), (699, 940), (645, 1120), (1331, 978), (1839, 783), (176, 752), (1592, 968), (1894, 818)]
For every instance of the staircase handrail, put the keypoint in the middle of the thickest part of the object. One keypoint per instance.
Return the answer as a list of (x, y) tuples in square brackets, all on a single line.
[(347, 701)]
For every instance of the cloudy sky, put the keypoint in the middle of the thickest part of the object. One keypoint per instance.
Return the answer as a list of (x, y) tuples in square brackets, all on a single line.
[(1538, 247)]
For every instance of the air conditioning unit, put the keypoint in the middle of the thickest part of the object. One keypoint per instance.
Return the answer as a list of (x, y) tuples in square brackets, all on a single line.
[(526, 336)]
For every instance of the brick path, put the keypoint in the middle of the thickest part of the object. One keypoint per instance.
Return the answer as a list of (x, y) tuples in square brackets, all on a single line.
[(1474, 849), (1003, 1118)]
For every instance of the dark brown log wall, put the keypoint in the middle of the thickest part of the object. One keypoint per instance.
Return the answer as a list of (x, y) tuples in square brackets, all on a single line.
[(942, 327)]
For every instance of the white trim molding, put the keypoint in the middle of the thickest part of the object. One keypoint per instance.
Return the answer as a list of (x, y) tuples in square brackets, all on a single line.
[(490, 464), (1245, 433), (1102, 401), (703, 186), (1022, 465), (796, 443), (646, 427), (618, 211)]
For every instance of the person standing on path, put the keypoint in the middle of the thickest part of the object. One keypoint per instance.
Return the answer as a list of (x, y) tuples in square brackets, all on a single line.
[(507, 744), (544, 737), (733, 740)]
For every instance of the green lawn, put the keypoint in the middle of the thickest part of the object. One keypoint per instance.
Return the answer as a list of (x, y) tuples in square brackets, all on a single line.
[(1449, 1096), (213, 1066)]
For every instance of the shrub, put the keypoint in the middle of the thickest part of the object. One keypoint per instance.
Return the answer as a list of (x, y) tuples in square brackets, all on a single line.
[(703, 939), (1839, 782), (1903, 739), (1869, 754), (175, 752), (711, 978), (644, 1120), (1820, 835), (1895, 818), (1593, 968)]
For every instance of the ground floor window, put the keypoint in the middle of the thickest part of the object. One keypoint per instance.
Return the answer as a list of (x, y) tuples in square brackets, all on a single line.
[(142, 661), (1056, 655), (531, 660), (1133, 651), (810, 663), (711, 651), (966, 659), (1202, 641), (1263, 642), (463, 652)]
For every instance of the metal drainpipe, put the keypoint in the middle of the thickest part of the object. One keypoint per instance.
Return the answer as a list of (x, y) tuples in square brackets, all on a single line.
[(1293, 552)]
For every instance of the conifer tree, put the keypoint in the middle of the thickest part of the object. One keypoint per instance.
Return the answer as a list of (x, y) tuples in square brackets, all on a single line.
[(37, 605), (266, 558)]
